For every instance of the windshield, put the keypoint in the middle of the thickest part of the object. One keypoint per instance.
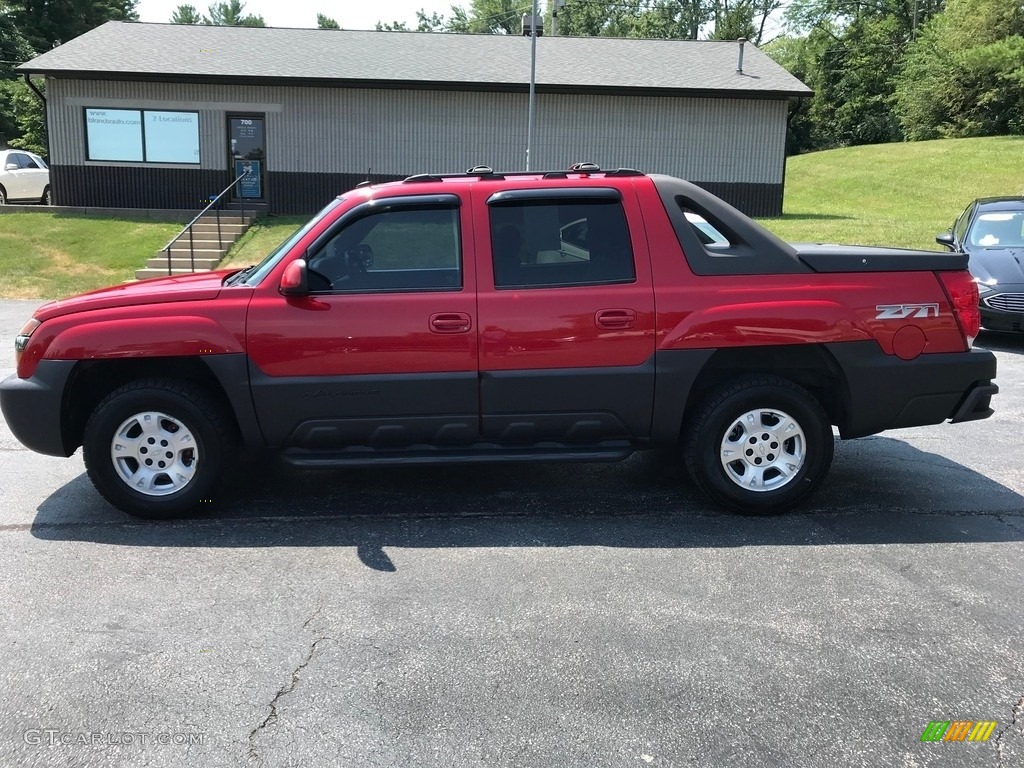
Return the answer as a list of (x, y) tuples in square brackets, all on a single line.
[(998, 229), (254, 275)]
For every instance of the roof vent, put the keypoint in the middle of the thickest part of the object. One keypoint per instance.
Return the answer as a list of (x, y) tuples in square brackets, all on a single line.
[(739, 60), (531, 23)]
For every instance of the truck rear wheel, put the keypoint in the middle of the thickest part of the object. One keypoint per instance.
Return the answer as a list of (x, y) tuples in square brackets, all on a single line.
[(761, 446), (155, 448)]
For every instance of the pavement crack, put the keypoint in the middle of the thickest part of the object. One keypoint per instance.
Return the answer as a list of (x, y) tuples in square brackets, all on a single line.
[(1018, 711), (255, 757)]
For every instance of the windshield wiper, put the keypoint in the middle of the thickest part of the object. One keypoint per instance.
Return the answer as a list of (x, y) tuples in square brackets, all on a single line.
[(239, 276)]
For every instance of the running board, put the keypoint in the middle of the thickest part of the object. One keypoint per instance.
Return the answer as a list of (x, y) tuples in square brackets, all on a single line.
[(363, 457)]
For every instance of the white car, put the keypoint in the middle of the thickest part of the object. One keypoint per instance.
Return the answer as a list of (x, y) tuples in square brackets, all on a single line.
[(24, 178)]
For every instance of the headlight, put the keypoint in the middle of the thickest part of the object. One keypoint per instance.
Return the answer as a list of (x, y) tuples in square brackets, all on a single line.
[(985, 286), (21, 340)]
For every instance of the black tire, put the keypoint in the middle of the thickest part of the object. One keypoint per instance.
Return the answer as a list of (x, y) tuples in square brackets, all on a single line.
[(3, 196), (46, 199), (177, 428), (790, 462)]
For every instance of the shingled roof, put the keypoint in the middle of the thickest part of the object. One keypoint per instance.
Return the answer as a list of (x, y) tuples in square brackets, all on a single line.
[(186, 53)]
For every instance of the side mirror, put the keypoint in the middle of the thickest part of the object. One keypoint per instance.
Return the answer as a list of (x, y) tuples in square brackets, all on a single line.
[(946, 239), (295, 280), (12, 167)]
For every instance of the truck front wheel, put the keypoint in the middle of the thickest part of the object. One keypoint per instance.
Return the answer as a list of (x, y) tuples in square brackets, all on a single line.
[(155, 448), (761, 446)]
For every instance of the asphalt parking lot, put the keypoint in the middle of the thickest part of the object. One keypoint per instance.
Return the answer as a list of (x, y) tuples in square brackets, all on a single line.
[(591, 615)]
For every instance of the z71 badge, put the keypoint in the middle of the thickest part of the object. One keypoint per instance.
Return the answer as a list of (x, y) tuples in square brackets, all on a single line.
[(903, 311)]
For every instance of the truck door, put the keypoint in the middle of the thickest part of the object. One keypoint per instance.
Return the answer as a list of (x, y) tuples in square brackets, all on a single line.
[(566, 315), (383, 352)]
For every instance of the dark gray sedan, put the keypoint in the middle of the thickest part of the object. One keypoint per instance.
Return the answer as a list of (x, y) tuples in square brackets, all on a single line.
[(991, 232)]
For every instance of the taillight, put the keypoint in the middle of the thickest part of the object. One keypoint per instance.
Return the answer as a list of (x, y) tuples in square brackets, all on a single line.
[(963, 295)]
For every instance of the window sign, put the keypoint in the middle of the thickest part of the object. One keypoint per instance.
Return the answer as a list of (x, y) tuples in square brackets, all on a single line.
[(172, 137), (114, 134), (142, 136), (250, 184)]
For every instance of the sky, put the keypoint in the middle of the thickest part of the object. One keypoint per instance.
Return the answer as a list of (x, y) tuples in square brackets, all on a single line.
[(351, 14)]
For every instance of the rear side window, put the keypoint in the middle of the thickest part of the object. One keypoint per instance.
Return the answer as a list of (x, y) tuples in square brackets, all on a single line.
[(560, 242)]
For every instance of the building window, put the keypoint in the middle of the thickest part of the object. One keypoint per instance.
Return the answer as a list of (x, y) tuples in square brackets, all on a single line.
[(142, 136)]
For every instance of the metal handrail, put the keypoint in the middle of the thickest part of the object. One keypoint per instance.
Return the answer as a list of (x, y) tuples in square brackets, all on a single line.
[(188, 227)]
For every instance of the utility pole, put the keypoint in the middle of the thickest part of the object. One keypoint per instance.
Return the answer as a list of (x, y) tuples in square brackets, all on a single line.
[(533, 82)]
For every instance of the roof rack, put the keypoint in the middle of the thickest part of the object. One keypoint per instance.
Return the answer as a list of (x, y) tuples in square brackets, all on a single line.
[(485, 172)]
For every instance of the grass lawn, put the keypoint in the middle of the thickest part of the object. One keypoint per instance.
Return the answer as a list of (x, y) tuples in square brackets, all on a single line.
[(894, 194), (47, 256), (261, 238)]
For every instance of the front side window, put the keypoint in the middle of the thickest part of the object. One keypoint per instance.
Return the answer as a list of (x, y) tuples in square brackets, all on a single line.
[(142, 136), (400, 249), (960, 228), (551, 243)]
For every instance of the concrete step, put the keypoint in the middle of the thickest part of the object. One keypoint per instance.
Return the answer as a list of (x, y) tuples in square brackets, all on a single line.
[(208, 251), (180, 263), (231, 230), (142, 274), (227, 218)]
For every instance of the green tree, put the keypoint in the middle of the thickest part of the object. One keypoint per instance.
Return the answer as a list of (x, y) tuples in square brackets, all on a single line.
[(909, 15), (801, 56), (186, 14), (14, 50), (232, 14), (964, 75), (735, 21), (326, 22), (853, 103), (29, 116), (47, 24), (499, 17), (433, 22)]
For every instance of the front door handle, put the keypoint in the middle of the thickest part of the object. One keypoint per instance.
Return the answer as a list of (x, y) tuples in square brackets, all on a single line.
[(615, 319), (450, 322)]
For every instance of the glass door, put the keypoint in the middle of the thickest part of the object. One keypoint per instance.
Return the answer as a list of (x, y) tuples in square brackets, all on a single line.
[(247, 153)]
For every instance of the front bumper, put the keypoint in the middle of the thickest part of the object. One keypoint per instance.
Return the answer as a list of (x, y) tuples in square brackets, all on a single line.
[(32, 407), (884, 392)]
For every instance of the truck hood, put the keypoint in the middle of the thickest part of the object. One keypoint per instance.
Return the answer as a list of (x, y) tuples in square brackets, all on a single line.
[(823, 257), (998, 266), (199, 286)]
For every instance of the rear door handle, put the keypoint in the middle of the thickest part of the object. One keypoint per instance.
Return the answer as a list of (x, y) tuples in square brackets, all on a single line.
[(615, 319), (450, 322)]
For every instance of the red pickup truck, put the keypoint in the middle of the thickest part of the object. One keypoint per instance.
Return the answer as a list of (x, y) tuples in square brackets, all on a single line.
[(570, 315)]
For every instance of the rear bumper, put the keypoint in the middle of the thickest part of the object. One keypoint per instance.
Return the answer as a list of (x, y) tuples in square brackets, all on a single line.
[(32, 407), (884, 392)]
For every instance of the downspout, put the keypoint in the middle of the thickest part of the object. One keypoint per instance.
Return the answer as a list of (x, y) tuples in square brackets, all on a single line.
[(800, 101), (46, 116)]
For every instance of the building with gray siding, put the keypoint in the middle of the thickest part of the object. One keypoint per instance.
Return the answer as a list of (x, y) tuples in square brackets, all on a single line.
[(163, 115)]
